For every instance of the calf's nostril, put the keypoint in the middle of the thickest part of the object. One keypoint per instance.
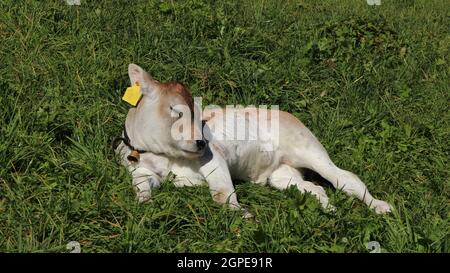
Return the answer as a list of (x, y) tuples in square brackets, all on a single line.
[(201, 144)]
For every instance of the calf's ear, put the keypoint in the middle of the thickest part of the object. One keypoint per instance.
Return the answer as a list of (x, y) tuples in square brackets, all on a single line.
[(140, 77)]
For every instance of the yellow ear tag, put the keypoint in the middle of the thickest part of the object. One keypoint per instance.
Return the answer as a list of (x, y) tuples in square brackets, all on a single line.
[(132, 94)]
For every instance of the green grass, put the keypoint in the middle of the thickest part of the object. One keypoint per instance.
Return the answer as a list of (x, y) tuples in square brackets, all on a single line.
[(371, 82)]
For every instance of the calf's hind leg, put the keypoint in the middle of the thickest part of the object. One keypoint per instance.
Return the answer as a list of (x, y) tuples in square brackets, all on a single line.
[(316, 158), (285, 176)]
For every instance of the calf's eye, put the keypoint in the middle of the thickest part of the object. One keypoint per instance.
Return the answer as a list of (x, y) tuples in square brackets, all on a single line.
[(180, 114)]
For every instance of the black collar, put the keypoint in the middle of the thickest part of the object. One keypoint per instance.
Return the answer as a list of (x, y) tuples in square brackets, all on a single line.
[(126, 140)]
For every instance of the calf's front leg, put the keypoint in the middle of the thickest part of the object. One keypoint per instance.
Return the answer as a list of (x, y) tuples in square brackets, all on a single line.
[(144, 180), (215, 171)]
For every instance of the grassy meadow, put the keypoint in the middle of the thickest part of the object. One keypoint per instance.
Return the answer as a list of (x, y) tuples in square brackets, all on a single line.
[(371, 82)]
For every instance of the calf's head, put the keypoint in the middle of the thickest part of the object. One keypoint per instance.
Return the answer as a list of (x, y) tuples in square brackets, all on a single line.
[(166, 119)]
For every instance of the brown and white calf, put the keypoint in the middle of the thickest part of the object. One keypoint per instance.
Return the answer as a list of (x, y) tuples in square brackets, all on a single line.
[(213, 155)]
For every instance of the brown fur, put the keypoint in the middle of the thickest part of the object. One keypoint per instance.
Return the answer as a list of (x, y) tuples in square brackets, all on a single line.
[(179, 89)]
